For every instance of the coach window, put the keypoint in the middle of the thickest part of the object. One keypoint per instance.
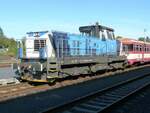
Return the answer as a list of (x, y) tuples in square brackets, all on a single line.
[(148, 49), (136, 48), (125, 47), (145, 49), (130, 47), (140, 47)]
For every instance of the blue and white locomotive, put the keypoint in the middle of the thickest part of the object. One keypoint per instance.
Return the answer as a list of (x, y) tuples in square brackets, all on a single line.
[(54, 55)]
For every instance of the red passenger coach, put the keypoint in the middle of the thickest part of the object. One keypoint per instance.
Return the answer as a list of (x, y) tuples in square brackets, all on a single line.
[(135, 51)]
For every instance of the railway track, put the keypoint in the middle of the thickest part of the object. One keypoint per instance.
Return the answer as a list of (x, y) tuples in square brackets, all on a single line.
[(11, 91), (103, 100), (45, 98), (136, 103), (17, 90)]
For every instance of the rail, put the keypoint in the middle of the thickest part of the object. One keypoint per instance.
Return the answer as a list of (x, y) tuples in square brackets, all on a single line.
[(101, 100)]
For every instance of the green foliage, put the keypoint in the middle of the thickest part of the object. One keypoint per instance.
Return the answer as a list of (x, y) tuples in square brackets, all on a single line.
[(141, 38), (1, 32), (9, 43), (23, 44), (119, 37), (147, 39)]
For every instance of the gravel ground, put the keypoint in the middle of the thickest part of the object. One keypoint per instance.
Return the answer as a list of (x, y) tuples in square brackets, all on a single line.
[(6, 73)]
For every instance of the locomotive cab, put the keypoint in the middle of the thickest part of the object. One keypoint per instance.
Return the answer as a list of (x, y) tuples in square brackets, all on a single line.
[(98, 31), (38, 45), (33, 64)]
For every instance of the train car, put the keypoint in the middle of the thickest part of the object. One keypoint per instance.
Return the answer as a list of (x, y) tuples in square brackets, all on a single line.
[(137, 52), (54, 55)]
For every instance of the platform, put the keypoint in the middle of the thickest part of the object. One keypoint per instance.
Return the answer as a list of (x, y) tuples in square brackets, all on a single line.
[(9, 81)]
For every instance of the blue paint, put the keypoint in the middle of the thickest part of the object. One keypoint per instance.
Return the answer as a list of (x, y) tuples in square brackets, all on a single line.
[(42, 52), (78, 45), (36, 34), (20, 52)]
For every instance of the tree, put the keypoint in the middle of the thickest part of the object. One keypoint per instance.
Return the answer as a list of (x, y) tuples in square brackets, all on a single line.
[(9, 43), (141, 39), (147, 39), (1, 32), (23, 44), (119, 37)]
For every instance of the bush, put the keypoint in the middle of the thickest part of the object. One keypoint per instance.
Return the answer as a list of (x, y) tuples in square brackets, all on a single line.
[(10, 44)]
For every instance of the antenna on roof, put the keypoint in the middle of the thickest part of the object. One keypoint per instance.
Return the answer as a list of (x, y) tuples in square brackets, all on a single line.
[(97, 29), (145, 30)]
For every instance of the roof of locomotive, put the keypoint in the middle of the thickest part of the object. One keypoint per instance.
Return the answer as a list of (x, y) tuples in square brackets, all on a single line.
[(90, 27), (36, 34)]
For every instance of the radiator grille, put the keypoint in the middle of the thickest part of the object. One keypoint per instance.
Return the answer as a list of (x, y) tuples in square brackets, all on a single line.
[(39, 44)]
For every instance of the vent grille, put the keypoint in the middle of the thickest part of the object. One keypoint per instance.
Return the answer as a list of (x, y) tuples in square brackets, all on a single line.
[(39, 44)]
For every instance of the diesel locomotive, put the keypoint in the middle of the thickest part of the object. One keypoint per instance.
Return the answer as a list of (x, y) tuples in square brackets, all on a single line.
[(52, 55)]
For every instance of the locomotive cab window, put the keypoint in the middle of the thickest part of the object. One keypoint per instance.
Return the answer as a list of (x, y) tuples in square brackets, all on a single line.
[(103, 37), (109, 34)]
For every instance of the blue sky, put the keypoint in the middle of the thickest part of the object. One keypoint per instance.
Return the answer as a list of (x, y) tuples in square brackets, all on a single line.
[(129, 18)]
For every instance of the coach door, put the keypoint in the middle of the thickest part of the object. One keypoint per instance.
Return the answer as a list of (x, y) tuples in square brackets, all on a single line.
[(125, 49), (138, 51)]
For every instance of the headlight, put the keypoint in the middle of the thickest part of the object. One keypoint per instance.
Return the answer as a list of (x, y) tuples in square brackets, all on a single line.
[(18, 68), (34, 71)]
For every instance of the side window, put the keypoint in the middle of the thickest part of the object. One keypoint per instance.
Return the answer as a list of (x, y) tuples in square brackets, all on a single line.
[(74, 51), (136, 48), (78, 43), (145, 49), (127, 47), (124, 48), (103, 37), (78, 51), (113, 35), (140, 47), (109, 35), (74, 43)]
